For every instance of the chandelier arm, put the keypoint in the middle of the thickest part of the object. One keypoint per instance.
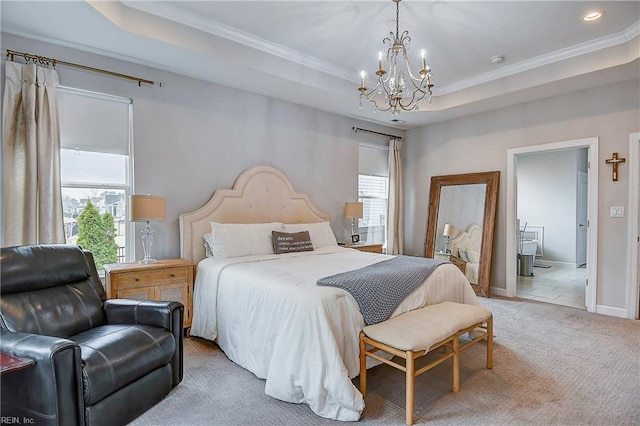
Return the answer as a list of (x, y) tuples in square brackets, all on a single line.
[(406, 61), (384, 79), (408, 106), (375, 103), (419, 84), (371, 95), (413, 103)]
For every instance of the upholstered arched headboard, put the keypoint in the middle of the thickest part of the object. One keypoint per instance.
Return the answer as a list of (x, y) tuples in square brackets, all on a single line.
[(260, 194), (470, 238)]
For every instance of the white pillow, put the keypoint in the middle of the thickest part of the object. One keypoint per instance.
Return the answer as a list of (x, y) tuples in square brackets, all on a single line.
[(208, 242), (462, 254), (242, 239), (320, 232), (474, 256)]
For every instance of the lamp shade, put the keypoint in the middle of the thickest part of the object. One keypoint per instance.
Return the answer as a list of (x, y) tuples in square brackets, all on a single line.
[(146, 207), (449, 230), (353, 209)]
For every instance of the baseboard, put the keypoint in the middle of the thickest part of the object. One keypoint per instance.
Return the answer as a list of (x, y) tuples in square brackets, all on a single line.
[(612, 312), (498, 291)]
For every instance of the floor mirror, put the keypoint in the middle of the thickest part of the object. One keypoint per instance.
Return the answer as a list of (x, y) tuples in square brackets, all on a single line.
[(461, 222)]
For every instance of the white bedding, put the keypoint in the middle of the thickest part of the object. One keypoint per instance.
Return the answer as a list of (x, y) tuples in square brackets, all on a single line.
[(471, 271), (269, 316)]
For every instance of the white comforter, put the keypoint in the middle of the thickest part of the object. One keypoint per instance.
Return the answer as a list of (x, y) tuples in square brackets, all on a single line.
[(269, 316)]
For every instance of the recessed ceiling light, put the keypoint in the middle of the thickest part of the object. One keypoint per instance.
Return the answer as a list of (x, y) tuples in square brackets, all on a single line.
[(499, 59), (593, 16)]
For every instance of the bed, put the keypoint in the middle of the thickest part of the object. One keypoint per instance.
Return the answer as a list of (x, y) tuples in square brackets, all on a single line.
[(266, 312), (466, 245)]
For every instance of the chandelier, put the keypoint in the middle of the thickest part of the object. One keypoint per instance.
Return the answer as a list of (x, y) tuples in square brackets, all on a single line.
[(397, 87)]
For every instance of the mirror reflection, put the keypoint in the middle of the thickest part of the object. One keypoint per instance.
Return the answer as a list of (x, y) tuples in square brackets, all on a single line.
[(459, 226), (461, 220)]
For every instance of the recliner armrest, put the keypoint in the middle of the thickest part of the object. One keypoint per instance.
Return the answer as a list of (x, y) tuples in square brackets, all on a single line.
[(49, 392), (167, 315), (145, 312)]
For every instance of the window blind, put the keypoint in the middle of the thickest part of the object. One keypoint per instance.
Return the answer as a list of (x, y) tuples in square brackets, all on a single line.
[(94, 123)]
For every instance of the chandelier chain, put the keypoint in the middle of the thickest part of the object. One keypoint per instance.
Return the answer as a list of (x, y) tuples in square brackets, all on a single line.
[(397, 19)]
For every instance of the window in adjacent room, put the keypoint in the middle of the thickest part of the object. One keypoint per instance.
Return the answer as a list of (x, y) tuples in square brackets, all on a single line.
[(373, 190), (95, 166)]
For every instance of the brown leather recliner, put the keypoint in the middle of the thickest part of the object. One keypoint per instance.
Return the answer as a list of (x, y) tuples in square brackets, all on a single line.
[(98, 361)]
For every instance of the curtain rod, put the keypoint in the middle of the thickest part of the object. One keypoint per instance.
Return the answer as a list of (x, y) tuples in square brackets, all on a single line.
[(358, 129), (50, 61)]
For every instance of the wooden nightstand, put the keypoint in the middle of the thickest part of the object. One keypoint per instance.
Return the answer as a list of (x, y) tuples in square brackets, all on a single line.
[(461, 264), (371, 248), (167, 279)]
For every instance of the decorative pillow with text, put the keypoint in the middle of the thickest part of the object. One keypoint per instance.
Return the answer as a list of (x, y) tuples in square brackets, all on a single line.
[(284, 242)]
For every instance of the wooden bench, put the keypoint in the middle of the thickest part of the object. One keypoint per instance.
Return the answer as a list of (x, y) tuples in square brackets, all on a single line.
[(416, 333)]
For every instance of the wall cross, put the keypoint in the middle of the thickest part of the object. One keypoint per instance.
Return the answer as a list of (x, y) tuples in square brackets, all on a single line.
[(614, 161)]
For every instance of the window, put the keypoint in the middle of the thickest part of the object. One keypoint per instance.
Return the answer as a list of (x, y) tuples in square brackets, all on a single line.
[(95, 168), (373, 190)]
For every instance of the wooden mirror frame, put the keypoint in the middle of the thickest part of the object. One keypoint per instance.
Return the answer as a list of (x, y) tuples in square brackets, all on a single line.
[(492, 180)]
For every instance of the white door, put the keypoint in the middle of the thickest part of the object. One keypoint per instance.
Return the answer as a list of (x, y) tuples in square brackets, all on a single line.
[(581, 220)]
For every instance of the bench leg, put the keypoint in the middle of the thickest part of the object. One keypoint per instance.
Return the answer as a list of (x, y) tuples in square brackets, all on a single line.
[(363, 366), (456, 364), (410, 377), (490, 342)]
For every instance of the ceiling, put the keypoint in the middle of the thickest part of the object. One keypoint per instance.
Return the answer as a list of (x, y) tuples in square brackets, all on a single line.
[(311, 52)]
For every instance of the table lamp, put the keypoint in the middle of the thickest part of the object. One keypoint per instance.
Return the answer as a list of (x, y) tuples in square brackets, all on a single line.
[(354, 210), (449, 232), (146, 208)]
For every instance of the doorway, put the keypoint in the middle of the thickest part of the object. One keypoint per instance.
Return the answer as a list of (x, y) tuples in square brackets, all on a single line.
[(552, 211), (566, 256)]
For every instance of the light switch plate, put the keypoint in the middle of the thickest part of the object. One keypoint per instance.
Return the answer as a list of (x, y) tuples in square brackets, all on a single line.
[(617, 211)]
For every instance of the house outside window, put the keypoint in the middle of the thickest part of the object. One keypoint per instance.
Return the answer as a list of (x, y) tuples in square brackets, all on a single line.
[(373, 190), (95, 166)]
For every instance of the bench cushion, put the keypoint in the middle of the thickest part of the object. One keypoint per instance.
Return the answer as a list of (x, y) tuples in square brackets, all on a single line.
[(422, 328)]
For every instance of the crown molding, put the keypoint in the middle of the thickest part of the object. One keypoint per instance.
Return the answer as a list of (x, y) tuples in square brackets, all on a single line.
[(92, 50), (549, 58), (213, 27)]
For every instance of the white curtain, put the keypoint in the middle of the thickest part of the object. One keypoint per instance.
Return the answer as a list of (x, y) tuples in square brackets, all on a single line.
[(395, 215), (31, 156)]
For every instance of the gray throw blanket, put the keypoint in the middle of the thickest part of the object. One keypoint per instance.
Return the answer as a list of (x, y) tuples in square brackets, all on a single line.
[(381, 287)]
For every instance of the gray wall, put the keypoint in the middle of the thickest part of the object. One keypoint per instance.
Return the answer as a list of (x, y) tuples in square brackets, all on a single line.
[(192, 137), (480, 142)]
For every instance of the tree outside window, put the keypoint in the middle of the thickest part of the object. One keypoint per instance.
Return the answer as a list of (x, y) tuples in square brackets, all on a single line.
[(97, 234)]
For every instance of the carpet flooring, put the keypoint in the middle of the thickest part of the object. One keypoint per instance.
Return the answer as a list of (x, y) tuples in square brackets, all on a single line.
[(553, 365)]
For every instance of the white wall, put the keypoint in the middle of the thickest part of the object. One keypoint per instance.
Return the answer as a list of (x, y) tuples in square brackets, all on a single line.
[(192, 137), (547, 194), (479, 143)]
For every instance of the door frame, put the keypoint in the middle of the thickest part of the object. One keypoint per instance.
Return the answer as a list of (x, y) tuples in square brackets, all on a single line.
[(633, 276), (592, 213), (579, 176)]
